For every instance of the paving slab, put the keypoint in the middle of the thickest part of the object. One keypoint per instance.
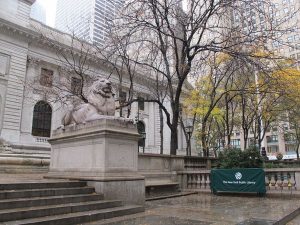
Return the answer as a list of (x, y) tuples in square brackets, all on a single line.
[(295, 221), (198, 209), (205, 209)]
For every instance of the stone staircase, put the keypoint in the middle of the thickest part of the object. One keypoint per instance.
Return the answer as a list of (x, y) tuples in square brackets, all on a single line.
[(57, 202), (18, 163)]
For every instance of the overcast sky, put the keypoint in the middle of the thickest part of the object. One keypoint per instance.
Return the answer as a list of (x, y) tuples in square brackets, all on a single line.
[(50, 7)]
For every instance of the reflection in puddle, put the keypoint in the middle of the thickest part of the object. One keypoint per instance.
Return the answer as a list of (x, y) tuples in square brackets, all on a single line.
[(158, 220)]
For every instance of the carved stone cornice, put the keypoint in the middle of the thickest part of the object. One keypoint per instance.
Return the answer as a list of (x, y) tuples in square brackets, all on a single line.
[(33, 61), (30, 2), (10, 28)]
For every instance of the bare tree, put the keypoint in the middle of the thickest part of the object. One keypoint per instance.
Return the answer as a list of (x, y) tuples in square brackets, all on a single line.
[(75, 62), (182, 39)]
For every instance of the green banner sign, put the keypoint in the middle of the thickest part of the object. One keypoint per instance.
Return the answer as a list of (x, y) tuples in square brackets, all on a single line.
[(238, 180)]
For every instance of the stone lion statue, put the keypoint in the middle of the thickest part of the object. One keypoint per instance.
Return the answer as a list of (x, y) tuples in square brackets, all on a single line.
[(101, 103)]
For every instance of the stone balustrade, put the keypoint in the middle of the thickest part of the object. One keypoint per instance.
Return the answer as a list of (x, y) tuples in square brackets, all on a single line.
[(195, 163), (282, 179), (275, 179), (41, 139), (194, 180)]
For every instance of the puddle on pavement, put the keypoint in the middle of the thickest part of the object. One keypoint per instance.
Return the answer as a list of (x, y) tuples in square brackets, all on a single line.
[(256, 222), (158, 220)]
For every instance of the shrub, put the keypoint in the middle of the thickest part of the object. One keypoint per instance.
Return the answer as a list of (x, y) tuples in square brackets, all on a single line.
[(235, 158)]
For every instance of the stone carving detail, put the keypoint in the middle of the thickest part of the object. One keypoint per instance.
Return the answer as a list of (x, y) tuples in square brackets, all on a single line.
[(101, 103), (4, 145)]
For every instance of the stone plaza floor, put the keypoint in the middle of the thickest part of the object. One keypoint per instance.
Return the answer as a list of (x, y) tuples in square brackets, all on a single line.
[(206, 209), (200, 209)]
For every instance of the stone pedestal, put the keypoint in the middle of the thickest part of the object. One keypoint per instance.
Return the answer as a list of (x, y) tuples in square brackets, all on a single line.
[(104, 153)]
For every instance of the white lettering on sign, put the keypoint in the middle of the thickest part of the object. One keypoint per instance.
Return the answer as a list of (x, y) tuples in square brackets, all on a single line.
[(238, 182)]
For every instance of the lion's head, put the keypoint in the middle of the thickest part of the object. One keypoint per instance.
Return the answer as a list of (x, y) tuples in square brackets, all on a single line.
[(102, 87), (101, 96)]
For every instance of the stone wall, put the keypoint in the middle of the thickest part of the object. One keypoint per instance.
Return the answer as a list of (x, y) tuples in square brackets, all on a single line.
[(160, 163)]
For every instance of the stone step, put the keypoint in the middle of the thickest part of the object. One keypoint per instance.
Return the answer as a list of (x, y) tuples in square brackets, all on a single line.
[(24, 170), (52, 200), (28, 193), (156, 183), (42, 211), (41, 185), (163, 175), (80, 217), (158, 188)]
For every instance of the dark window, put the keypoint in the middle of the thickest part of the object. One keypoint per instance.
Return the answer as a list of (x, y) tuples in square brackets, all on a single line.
[(76, 86), (141, 130), (235, 143), (46, 77), (122, 97), (41, 123), (141, 103), (272, 149), (272, 138), (251, 142)]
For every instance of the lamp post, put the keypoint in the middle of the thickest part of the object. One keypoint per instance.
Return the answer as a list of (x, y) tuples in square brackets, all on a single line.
[(189, 130), (144, 138)]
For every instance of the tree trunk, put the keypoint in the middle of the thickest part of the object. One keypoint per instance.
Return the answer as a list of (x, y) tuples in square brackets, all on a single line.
[(174, 140), (297, 150), (120, 102), (228, 137), (245, 138), (259, 132), (161, 131), (204, 145), (174, 127)]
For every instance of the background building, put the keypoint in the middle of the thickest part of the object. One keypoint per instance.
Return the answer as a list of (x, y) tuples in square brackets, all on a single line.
[(87, 19), (38, 12), (284, 15), (26, 115)]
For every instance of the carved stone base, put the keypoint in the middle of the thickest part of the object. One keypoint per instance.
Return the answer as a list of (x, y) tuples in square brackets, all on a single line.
[(103, 152)]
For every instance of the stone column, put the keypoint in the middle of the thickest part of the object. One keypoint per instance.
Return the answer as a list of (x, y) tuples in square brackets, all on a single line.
[(103, 153)]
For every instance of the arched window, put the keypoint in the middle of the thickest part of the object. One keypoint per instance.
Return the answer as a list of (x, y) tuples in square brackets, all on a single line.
[(41, 123), (141, 130)]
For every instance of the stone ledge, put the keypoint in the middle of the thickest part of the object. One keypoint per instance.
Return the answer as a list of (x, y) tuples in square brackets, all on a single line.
[(106, 126), (24, 161), (101, 178)]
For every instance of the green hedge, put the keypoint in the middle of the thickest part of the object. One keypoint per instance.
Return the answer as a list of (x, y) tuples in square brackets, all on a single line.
[(236, 158)]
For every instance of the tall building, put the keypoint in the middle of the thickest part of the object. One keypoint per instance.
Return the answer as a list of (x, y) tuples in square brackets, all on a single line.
[(285, 15), (87, 19), (38, 12)]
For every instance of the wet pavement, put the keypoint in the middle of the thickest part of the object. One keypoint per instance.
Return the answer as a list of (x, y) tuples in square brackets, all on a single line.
[(295, 221), (206, 209), (199, 209)]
